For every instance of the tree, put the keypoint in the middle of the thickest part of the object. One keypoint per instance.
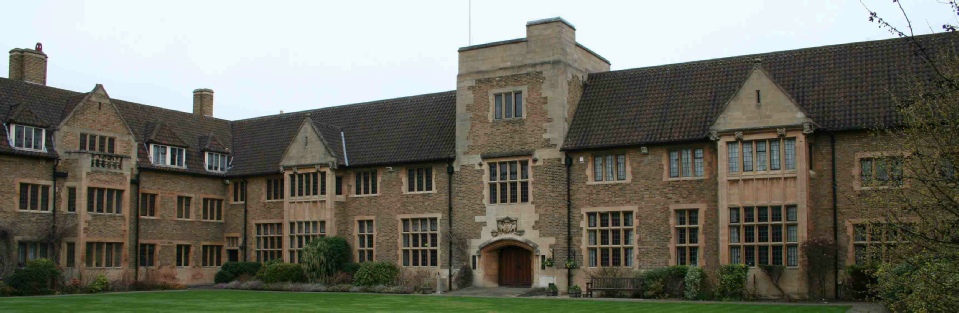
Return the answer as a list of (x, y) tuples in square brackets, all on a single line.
[(916, 200)]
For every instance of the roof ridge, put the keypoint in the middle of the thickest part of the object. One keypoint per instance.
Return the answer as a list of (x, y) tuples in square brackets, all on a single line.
[(718, 60), (357, 104)]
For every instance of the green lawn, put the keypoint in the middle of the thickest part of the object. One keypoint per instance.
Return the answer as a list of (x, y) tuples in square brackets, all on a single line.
[(253, 301)]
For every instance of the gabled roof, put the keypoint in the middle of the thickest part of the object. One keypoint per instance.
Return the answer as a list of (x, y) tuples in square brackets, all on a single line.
[(159, 133), (23, 115), (212, 144), (841, 87), (45, 103), (393, 131)]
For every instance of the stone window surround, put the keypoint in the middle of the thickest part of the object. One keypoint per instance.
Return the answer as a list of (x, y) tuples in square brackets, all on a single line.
[(284, 233), (11, 138), (857, 169), (584, 239), (531, 179), (851, 234), (404, 177), (765, 135), (76, 251), (356, 245), (193, 206), (323, 174), (176, 249), (707, 161), (491, 110), (267, 180), (125, 206), (158, 246), (98, 134), (723, 216), (590, 173), (18, 239), (202, 256), (223, 208), (353, 182), (157, 205), (82, 251), (702, 230), (231, 191), (65, 198), (16, 199), (439, 238)]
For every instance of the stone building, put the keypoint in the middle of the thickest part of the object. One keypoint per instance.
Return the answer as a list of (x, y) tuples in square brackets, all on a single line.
[(541, 154)]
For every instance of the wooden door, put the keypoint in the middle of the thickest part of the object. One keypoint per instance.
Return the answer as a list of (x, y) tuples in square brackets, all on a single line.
[(515, 267)]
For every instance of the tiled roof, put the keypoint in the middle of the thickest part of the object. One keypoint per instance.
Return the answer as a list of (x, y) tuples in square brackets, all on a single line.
[(841, 87), (393, 131), (45, 103)]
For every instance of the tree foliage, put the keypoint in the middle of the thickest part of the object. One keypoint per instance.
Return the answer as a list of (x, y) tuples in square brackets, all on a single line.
[(324, 257), (922, 207)]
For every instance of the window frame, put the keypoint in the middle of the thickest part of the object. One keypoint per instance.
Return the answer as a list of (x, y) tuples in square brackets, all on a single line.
[(97, 143), (876, 184), (367, 235), (428, 182), (212, 209), (29, 250), (144, 198), (238, 191), (675, 225), (100, 205), (184, 204), (628, 250), (268, 240), (410, 246), (496, 194), (181, 260), (151, 256), (773, 157), (220, 164), (756, 225), (359, 184), (14, 132), (44, 194), (884, 243), (168, 152), (92, 260), (211, 255), (512, 92), (300, 233), (274, 188), (668, 163), (627, 172)]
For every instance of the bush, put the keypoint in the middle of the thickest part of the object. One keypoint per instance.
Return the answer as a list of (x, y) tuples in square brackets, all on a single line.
[(323, 257), (37, 278), (732, 282), (262, 270), (694, 283), (859, 278), (376, 273), (100, 284), (664, 282), (234, 270), (464, 277), (283, 273), (6, 291)]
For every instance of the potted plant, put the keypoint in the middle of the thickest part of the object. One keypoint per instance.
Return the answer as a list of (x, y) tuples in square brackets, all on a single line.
[(571, 264), (551, 290), (575, 291)]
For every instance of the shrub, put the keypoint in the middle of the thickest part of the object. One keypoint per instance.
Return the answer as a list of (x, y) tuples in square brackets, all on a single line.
[(100, 284), (859, 278), (694, 283), (6, 290), (37, 278), (664, 282), (412, 279), (259, 272), (376, 273), (236, 270), (324, 257), (464, 277), (283, 273), (732, 282), (351, 268)]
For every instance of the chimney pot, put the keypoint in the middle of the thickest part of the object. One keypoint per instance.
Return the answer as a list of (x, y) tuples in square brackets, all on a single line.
[(29, 65), (203, 102)]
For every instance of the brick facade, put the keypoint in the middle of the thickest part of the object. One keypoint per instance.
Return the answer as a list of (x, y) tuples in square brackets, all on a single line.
[(549, 69)]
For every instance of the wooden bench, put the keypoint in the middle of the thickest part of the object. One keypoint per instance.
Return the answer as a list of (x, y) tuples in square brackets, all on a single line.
[(614, 284)]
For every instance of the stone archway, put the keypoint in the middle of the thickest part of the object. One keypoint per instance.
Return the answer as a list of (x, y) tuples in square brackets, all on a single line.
[(508, 263)]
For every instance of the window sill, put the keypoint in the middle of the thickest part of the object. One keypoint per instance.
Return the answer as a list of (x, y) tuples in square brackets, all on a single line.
[(880, 187), (241, 202), (183, 219), (508, 204), (169, 166), (106, 214), (762, 174), (212, 221), (364, 196), (272, 201), (28, 149), (685, 178), (605, 182), (419, 192), (34, 211), (150, 217)]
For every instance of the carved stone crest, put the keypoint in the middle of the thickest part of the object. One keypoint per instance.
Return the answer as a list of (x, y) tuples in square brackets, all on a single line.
[(808, 128), (505, 226), (739, 135), (781, 132), (713, 135)]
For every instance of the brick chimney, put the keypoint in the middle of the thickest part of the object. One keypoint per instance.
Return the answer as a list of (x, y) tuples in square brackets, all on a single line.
[(29, 65), (203, 102)]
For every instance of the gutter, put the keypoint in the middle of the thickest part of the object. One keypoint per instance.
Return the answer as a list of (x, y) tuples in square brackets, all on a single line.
[(835, 214), (569, 222), (449, 222)]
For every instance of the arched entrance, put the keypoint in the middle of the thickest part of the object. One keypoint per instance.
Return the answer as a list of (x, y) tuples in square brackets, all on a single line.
[(515, 267)]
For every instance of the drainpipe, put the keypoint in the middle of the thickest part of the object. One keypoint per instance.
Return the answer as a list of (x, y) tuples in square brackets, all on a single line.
[(835, 213), (53, 226), (449, 222), (245, 221), (136, 235), (569, 222)]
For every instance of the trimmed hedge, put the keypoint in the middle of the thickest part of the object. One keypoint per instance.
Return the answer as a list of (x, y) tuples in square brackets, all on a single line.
[(37, 278), (376, 273), (232, 270), (283, 273)]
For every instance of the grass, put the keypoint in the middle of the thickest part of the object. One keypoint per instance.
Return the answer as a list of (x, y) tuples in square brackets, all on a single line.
[(254, 301)]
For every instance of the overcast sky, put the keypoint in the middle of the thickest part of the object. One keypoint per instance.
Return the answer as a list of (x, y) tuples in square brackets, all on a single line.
[(265, 56)]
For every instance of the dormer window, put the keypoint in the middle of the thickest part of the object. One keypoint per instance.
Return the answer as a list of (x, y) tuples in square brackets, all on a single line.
[(216, 162), (168, 156), (27, 137)]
